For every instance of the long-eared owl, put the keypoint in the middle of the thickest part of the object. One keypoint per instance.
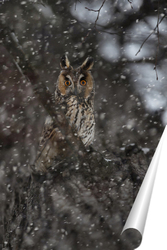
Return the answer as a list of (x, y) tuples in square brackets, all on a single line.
[(75, 94)]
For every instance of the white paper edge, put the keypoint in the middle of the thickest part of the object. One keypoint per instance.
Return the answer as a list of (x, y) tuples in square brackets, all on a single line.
[(138, 214)]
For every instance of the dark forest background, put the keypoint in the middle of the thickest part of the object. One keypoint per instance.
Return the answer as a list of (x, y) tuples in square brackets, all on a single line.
[(131, 93)]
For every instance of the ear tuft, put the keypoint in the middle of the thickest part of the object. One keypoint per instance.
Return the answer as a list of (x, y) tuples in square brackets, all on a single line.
[(88, 63), (64, 62)]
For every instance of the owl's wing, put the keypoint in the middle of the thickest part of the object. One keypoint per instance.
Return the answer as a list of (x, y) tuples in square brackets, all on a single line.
[(46, 150), (46, 133), (47, 129), (49, 140)]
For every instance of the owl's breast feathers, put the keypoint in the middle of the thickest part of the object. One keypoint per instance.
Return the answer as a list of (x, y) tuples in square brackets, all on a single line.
[(81, 117)]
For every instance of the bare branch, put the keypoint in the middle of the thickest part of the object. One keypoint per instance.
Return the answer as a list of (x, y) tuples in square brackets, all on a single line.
[(131, 1), (158, 45), (96, 11), (94, 27), (107, 32), (155, 30), (144, 43), (157, 25)]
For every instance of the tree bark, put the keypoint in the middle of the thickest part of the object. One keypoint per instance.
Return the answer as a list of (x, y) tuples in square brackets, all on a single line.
[(78, 206)]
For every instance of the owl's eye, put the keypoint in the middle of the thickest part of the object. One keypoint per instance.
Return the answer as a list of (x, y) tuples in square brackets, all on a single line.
[(83, 82), (67, 83)]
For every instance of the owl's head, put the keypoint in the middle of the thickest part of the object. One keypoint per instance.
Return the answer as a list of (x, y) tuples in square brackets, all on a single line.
[(76, 82)]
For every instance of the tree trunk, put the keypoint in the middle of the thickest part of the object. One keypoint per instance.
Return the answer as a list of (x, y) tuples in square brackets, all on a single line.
[(77, 206)]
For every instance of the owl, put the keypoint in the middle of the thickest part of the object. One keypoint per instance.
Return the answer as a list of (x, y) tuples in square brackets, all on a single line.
[(74, 94)]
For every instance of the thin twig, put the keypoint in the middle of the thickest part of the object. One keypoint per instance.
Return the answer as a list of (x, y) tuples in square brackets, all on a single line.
[(131, 1), (107, 32), (96, 11), (144, 43), (94, 27), (158, 46), (150, 35)]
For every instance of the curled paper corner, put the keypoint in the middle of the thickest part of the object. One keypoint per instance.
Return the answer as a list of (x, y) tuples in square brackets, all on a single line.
[(133, 236), (135, 224)]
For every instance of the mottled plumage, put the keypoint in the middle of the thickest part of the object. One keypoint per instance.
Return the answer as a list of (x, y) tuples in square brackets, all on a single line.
[(75, 95)]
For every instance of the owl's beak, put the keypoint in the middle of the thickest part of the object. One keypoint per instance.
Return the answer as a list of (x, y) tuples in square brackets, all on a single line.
[(75, 91)]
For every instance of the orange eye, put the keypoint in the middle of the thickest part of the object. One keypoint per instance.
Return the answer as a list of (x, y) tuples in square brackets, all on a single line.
[(83, 82), (67, 83)]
